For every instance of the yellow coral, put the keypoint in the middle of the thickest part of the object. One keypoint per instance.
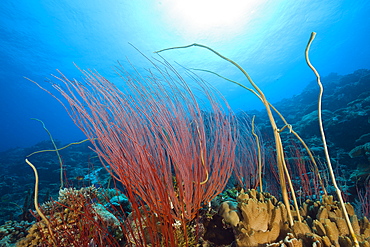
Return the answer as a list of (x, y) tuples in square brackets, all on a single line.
[(263, 220)]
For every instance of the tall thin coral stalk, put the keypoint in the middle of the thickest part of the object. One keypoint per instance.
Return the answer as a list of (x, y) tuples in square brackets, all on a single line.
[(36, 203), (330, 167)]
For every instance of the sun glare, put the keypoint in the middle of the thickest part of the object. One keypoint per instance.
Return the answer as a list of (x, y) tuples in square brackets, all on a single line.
[(195, 17)]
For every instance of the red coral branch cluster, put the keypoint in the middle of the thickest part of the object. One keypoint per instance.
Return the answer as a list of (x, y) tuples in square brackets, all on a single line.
[(155, 137)]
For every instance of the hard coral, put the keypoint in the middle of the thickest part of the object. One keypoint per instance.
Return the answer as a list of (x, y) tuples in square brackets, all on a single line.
[(77, 219), (324, 222), (263, 220), (11, 231)]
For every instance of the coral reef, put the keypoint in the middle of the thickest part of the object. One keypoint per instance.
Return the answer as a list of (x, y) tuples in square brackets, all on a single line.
[(78, 218), (12, 231), (362, 154), (87, 216), (16, 186), (261, 220), (346, 117)]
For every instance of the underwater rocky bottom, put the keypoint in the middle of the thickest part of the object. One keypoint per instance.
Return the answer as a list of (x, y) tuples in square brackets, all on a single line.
[(94, 216), (173, 161)]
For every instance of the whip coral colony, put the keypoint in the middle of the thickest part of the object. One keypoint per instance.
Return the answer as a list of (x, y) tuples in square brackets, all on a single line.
[(174, 152)]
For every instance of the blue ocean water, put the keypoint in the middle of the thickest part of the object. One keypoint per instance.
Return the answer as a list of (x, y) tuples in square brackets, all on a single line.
[(267, 38)]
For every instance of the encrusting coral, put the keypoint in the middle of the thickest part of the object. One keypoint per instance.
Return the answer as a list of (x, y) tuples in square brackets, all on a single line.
[(11, 231), (363, 167), (77, 219), (262, 221)]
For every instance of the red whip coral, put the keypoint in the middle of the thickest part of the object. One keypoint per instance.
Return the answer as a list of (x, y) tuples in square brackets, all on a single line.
[(156, 138)]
